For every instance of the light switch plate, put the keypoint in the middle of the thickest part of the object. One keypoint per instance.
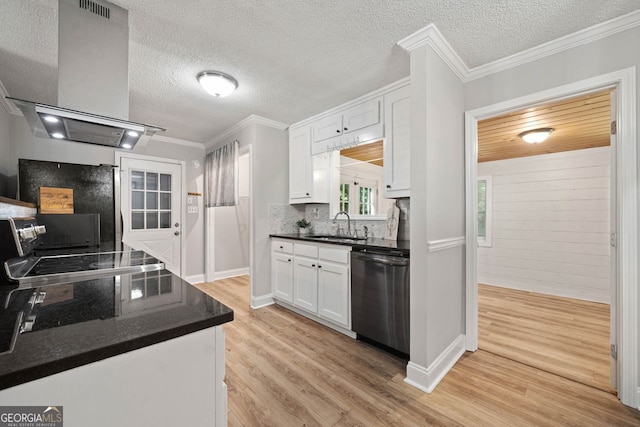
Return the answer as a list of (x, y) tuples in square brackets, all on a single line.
[(192, 209), (190, 200)]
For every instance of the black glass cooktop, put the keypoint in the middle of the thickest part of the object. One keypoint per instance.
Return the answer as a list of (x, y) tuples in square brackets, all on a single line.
[(34, 271)]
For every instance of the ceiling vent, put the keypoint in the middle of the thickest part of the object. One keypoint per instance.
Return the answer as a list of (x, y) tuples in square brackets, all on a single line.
[(96, 8)]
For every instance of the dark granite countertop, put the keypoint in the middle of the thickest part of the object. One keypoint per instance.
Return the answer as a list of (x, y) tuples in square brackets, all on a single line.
[(399, 245), (81, 322)]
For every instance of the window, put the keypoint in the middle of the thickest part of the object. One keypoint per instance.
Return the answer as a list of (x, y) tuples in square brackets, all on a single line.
[(150, 200), (358, 196), (484, 211)]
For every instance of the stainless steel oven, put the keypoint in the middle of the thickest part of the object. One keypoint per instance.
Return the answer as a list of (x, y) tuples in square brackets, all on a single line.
[(380, 296)]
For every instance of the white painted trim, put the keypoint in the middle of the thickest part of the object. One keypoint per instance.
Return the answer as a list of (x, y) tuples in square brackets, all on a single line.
[(261, 301), (638, 399), (196, 278), (627, 214), (118, 155), (315, 318), (251, 120), (448, 243), (588, 35), (369, 96), (426, 379), (431, 36), (218, 275), (178, 141), (8, 104)]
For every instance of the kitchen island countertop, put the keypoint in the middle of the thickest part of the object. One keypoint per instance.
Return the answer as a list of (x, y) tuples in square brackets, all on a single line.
[(84, 321)]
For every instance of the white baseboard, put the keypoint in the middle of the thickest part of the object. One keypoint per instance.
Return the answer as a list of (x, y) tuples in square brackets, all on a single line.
[(218, 275), (308, 315), (426, 379), (196, 278), (262, 301), (638, 399)]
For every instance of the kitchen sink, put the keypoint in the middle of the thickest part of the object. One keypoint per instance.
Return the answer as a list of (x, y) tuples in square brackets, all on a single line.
[(330, 238)]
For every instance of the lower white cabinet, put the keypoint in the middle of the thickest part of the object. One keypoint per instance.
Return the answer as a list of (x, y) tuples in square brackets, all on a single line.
[(316, 278)]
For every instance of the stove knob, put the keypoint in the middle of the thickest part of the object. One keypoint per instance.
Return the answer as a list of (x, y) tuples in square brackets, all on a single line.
[(40, 229), (27, 234)]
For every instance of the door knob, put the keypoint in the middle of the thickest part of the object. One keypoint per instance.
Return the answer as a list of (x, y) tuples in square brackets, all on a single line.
[(177, 233), (177, 224)]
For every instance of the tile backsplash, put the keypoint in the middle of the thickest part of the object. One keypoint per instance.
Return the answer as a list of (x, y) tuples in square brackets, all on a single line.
[(282, 219)]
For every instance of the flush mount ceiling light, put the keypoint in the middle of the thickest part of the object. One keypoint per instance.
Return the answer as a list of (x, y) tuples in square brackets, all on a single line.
[(217, 84), (535, 136)]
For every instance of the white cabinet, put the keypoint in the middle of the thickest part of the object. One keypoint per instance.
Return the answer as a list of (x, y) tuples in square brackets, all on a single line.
[(397, 143), (334, 285), (300, 166), (320, 281), (362, 122), (308, 175)]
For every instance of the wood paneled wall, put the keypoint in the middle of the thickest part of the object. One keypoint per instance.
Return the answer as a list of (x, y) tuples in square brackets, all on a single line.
[(550, 224)]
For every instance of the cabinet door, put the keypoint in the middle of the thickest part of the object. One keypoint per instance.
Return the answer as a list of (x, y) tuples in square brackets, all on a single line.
[(397, 143), (300, 166), (305, 284), (334, 296), (327, 128), (361, 116), (282, 276)]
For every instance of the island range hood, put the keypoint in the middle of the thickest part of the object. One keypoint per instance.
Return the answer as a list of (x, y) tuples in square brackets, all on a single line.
[(93, 79)]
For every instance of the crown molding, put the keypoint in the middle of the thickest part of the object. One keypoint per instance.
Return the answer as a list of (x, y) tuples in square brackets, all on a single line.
[(431, 36), (251, 120), (178, 141), (588, 35), (8, 105)]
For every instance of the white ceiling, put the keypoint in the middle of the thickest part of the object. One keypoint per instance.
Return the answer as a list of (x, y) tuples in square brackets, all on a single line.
[(292, 58)]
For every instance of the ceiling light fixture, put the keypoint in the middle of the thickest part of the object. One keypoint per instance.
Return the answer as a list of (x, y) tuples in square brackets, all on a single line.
[(217, 84), (535, 136)]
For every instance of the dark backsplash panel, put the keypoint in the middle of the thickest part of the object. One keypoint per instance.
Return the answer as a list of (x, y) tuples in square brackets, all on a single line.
[(93, 188)]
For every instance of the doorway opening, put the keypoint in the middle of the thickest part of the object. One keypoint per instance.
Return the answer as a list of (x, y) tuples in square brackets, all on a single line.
[(544, 250), (624, 318)]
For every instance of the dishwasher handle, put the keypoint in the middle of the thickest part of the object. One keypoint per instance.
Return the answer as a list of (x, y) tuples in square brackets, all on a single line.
[(381, 259)]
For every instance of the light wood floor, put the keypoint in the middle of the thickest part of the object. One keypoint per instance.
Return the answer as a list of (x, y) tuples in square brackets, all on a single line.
[(284, 370), (564, 336)]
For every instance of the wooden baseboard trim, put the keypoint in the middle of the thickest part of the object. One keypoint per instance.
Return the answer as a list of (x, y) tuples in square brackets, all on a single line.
[(426, 379)]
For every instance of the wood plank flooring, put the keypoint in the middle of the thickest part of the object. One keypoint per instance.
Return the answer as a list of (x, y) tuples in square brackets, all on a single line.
[(285, 370), (564, 336)]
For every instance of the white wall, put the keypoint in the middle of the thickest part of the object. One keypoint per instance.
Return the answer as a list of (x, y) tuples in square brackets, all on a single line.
[(437, 213), (269, 185), (550, 224), (231, 229)]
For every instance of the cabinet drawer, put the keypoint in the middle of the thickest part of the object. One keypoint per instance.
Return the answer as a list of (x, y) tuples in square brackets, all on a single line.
[(336, 255), (282, 247), (306, 250)]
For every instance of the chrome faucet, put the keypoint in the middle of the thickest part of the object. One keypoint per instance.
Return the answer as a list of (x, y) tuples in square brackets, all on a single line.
[(348, 221)]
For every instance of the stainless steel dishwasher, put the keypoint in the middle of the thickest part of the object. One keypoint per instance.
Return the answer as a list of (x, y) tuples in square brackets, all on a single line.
[(380, 296)]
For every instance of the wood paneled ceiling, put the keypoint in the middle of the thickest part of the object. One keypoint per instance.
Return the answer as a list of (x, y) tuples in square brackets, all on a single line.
[(578, 123), (371, 153)]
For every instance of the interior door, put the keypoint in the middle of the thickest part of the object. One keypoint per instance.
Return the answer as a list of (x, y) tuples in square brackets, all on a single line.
[(613, 305), (151, 209)]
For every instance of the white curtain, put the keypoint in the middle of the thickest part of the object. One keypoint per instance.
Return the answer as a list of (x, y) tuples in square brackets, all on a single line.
[(221, 168)]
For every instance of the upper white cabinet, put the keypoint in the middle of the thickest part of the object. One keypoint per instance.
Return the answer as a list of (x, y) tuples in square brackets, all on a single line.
[(397, 143), (361, 122), (300, 166)]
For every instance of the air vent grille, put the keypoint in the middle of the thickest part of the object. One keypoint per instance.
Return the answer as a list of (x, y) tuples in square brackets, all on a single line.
[(95, 8)]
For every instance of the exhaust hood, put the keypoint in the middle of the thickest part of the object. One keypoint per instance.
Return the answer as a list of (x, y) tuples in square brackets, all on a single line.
[(93, 79)]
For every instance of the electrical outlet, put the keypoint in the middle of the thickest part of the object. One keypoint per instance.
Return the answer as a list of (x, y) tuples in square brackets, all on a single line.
[(192, 209)]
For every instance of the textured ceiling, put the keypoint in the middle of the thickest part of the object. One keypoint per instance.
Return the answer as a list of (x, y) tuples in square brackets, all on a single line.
[(292, 58)]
